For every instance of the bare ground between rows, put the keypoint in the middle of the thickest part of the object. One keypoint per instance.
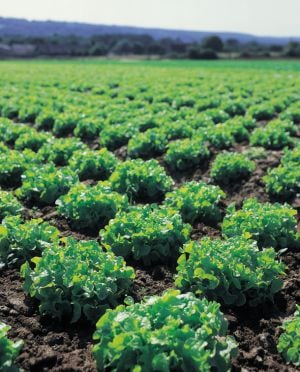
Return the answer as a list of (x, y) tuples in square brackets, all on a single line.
[(257, 329)]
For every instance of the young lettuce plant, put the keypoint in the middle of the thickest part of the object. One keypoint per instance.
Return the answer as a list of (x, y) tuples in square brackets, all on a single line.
[(46, 118), (147, 144), (29, 110), (13, 165), (234, 107), (272, 136), (229, 167), (186, 153), (87, 128), (9, 350), (292, 113), (19, 240), (247, 122), (9, 205), (77, 279), (291, 156), (172, 332), (9, 109), (217, 115), (262, 111), (91, 207), (10, 131), (149, 234), (45, 184), (271, 225), (286, 125), (220, 136), (233, 271), (59, 151), (141, 180), (196, 201), (33, 141), (284, 181), (117, 135), (4, 149), (65, 123), (289, 340), (237, 128), (89, 164), (177, 130)]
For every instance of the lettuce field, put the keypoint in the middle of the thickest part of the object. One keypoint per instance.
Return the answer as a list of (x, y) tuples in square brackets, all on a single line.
[(149, 215)]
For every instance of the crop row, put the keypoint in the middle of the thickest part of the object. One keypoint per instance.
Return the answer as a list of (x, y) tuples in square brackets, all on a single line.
[(78, 162)]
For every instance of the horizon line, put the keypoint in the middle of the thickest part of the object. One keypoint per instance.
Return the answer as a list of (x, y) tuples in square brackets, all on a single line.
[(150, 27)]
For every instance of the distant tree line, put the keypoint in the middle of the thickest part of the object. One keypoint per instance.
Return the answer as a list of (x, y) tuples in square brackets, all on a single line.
[(140, 45)]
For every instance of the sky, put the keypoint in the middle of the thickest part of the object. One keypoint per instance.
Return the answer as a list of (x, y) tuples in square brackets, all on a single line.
[(260, 17)]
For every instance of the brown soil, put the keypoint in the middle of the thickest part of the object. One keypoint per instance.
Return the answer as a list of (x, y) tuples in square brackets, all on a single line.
[(257, 329), (49, 345), (151, 281)]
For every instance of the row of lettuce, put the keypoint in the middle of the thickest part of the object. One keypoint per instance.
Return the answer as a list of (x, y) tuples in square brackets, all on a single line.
[(150, 233), (196, 324), (78, 162), (146, 140)]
